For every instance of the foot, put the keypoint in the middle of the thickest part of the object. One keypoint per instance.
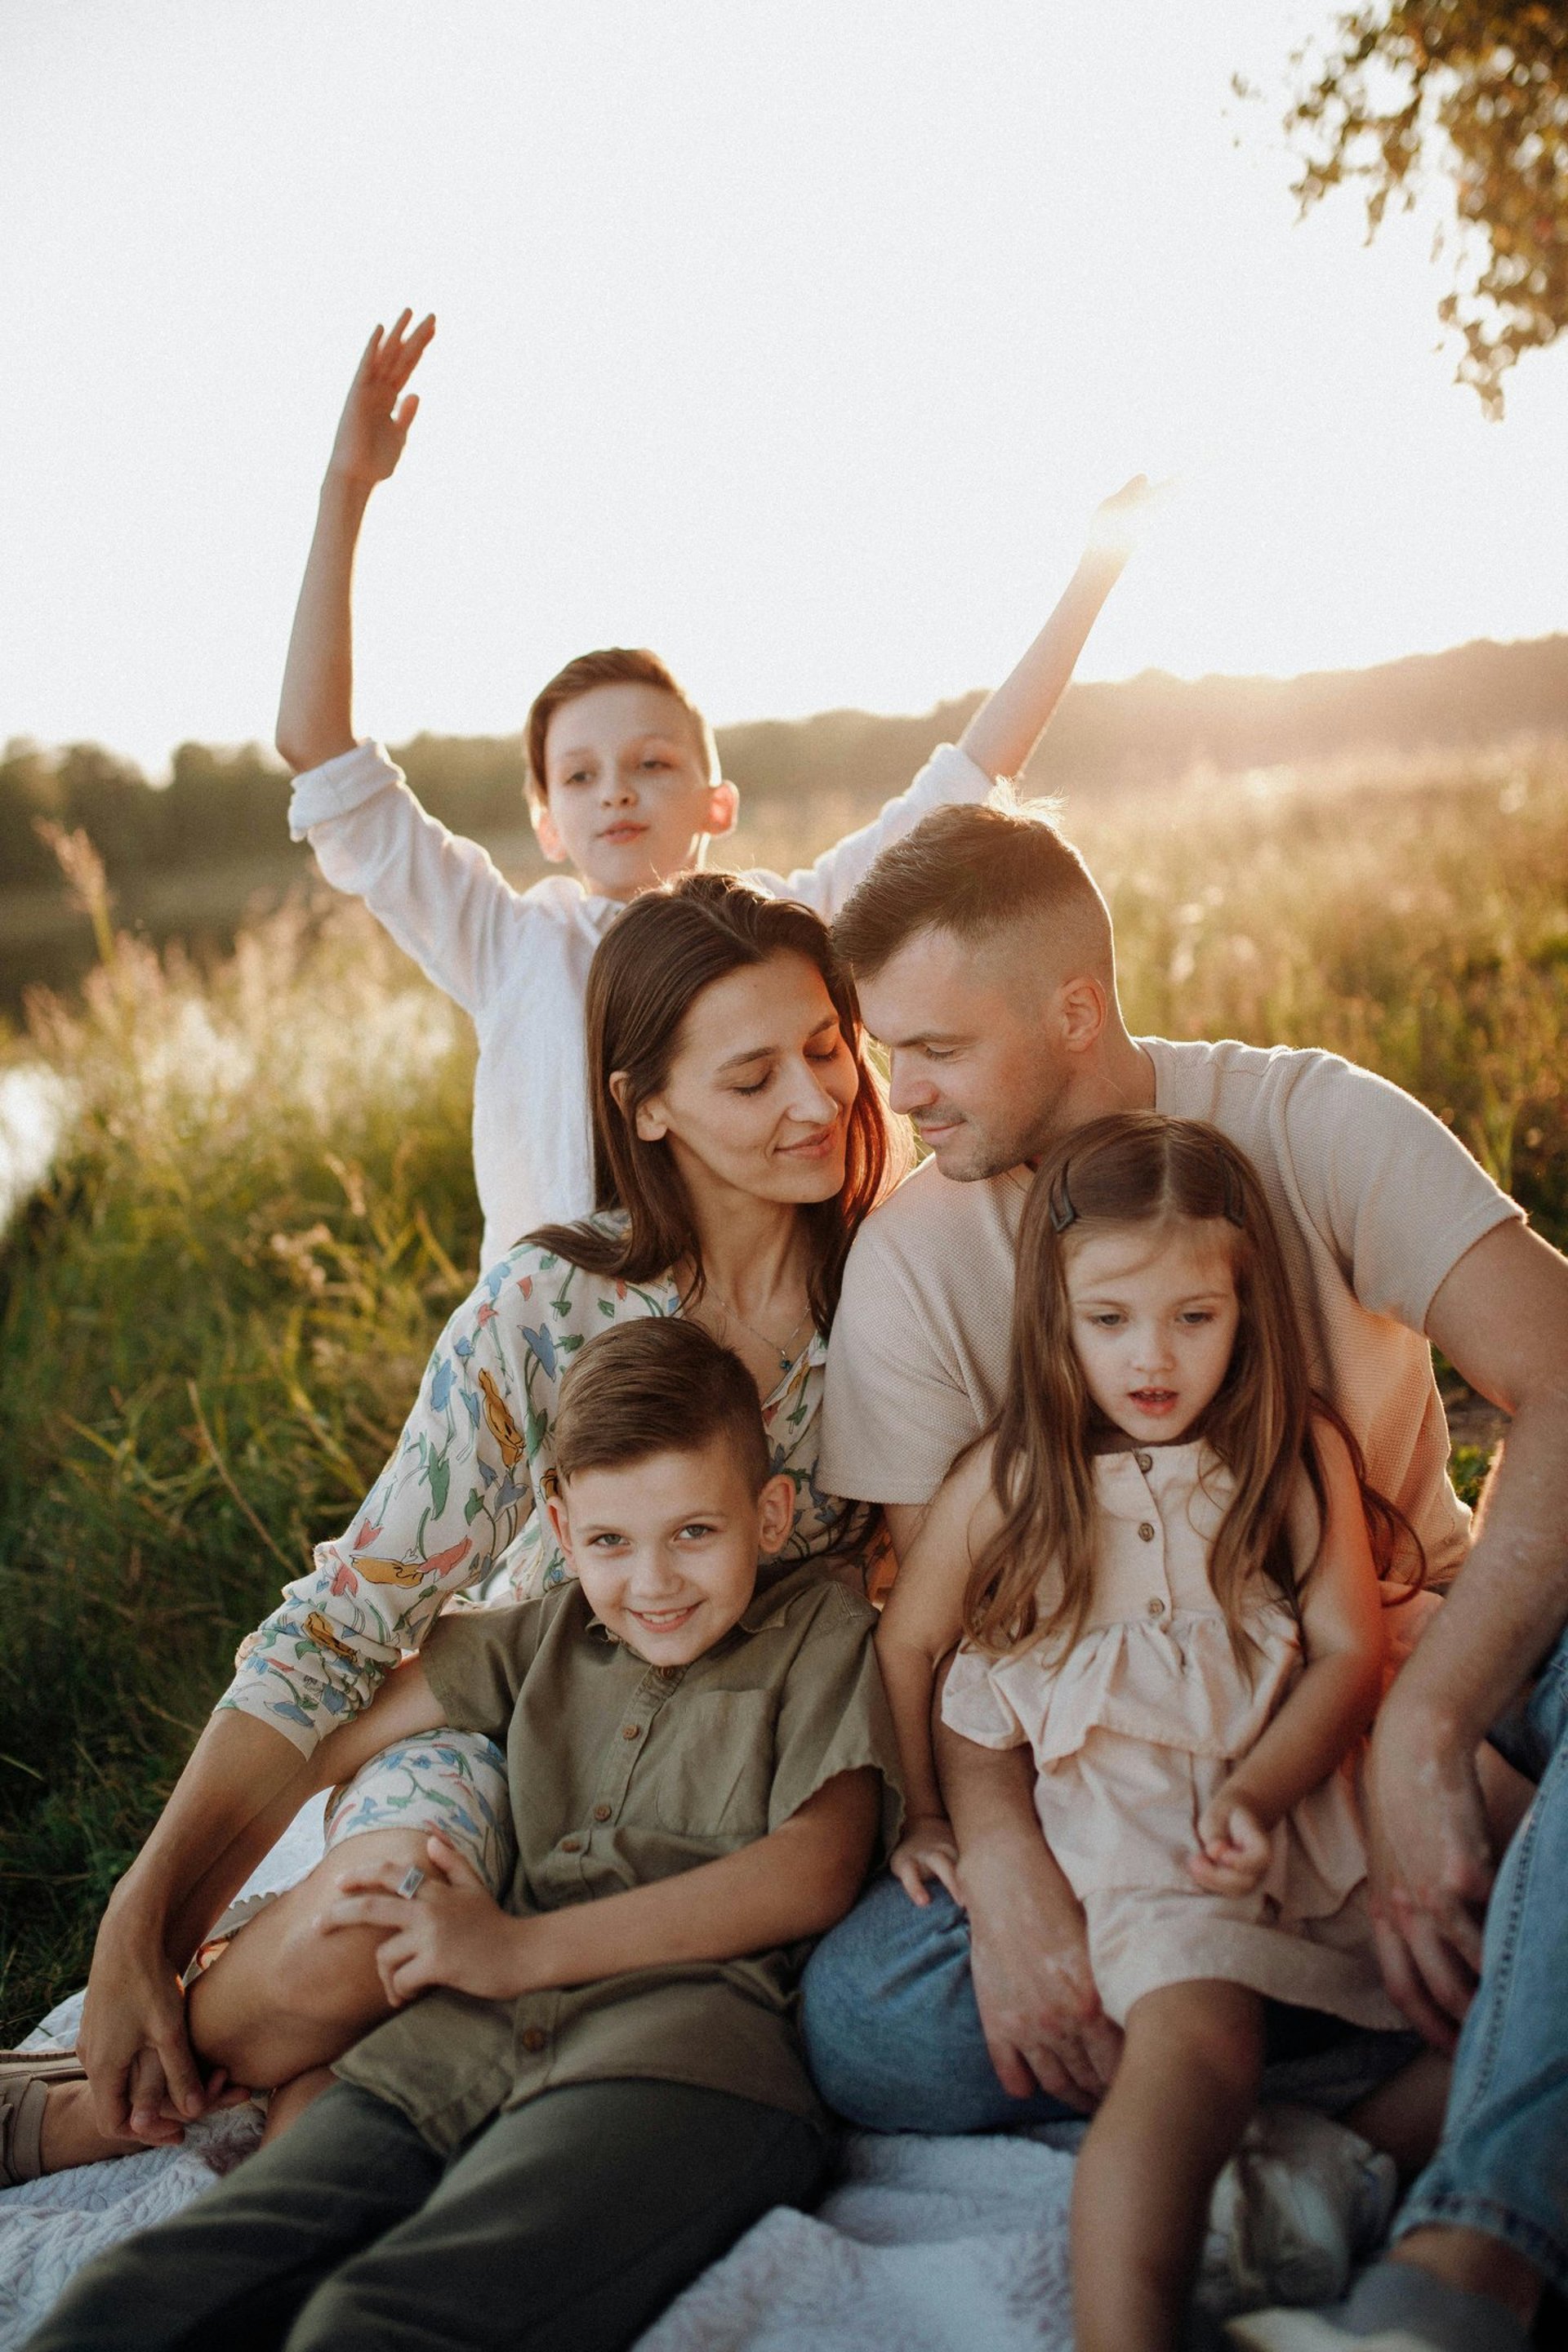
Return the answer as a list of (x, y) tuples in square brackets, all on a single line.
[(1394, 2308)]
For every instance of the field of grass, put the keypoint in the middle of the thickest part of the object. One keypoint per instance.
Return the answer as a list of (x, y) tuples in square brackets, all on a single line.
[(214, 1313)]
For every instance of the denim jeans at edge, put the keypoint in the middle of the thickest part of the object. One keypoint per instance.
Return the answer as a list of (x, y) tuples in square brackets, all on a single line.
[(893, 2036), (1502, 2163)]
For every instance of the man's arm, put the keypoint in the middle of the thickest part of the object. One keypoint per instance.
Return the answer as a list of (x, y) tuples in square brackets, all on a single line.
[(1028, 1952), (1502, 1318), (315, 713)]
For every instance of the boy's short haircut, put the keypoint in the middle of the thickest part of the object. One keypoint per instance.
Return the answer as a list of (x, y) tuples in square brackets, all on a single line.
[(663, 1386), (612, 666), (971, 870)]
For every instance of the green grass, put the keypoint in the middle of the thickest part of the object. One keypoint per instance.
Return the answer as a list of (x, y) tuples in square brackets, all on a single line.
[(212, 1318)]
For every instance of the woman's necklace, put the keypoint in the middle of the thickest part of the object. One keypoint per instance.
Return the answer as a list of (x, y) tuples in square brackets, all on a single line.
[(787, 1360)]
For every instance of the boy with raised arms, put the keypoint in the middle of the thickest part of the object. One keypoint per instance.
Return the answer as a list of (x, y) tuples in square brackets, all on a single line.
[(624, 786)]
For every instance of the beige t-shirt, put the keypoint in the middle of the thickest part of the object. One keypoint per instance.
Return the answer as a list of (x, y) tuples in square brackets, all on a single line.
[(1376, 1201)]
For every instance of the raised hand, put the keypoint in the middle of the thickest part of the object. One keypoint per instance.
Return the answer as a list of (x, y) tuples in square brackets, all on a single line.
[(1119, 520), (377, 413), (1234, 1848)]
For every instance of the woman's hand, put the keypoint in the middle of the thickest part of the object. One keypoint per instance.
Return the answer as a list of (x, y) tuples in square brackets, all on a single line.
[(452, 1932), (376, 420), (1234, 1847), (927, 1849)]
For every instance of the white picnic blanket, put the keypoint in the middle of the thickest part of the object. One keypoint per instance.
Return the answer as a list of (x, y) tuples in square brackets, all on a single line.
[(919, 2246)]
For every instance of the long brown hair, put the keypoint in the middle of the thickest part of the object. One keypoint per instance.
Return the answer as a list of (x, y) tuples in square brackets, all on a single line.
[(1141, 1168), (647, 971)]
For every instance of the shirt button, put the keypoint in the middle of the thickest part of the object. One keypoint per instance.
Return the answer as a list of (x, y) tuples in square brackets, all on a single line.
[(601, 1812), (634, 1731), (534, 2038), (571, 1846), (1156, 1608), (1144, 1461), (670, 1673), (1146, 1531)]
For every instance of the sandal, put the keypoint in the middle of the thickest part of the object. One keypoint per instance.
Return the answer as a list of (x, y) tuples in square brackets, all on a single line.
[(24, 2077)]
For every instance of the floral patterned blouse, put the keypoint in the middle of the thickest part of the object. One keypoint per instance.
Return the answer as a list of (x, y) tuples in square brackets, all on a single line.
[(459, 1508)]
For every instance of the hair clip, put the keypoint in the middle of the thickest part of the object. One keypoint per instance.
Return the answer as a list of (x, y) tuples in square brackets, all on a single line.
[(1060, 1207), (1230, 1185)]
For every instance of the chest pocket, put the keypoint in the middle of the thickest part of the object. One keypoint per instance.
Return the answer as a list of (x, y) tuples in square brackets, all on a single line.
[(716, 1775)]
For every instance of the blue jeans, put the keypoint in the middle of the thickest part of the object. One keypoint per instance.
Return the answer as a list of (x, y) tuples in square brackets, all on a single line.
[(893, 2036), (1502, 2164)]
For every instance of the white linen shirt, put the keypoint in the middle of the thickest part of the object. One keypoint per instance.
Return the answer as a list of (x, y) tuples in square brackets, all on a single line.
[(516, 961)]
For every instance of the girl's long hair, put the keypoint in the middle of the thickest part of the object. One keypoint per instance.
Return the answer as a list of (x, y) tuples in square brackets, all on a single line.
[(647, 973), (1137, 1168)]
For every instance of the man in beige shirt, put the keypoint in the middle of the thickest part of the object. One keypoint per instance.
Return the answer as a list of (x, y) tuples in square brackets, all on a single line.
[(986, 964)]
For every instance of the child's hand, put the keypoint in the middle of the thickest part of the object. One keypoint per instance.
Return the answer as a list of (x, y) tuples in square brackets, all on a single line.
[(452, 1932), (1234, 1848), (927, 1849), (375, 423), (1119, 520)]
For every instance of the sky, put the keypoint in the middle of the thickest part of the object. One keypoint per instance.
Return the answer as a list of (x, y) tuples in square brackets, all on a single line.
[(794, 338)]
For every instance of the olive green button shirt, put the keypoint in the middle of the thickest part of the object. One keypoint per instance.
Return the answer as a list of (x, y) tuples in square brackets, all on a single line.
[(621, 1773)]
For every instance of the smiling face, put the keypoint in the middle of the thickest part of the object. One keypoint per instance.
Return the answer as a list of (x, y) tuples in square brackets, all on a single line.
[(1153, 1313), (757, 1099), (628, 797), (666, 1547), (984, 1046)]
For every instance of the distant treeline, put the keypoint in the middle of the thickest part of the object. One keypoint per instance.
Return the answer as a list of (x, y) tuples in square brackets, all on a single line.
[(227, 807)]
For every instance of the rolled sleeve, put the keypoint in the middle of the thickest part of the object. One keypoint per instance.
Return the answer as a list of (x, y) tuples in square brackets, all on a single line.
[(834, 1716), (949, 775), (1396, 1194), (339, 786)]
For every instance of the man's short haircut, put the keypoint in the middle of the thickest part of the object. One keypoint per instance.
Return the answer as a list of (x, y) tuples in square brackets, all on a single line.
[(611, 665), (663, 1386), (973, 871)]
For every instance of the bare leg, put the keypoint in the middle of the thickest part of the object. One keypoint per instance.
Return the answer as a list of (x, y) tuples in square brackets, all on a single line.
[(289, 2101), (1178, 2107), (284, 1998), (1404, 2116)]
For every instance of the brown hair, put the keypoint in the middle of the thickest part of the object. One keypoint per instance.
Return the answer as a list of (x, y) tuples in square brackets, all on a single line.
[(612, 666), (663, 1386), (648, 969), (1137, 1168), (971, 870)]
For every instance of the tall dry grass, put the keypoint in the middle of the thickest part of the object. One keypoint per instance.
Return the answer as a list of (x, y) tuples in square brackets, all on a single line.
[(214, 1311)]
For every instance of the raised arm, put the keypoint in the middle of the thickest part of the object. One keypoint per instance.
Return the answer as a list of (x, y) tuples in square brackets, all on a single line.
[(1009, 723), (1003, 733), (1501, 1320), (315, 713)]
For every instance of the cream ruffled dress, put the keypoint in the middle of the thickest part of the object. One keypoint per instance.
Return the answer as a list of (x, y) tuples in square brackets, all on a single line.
[(1135, 1730)]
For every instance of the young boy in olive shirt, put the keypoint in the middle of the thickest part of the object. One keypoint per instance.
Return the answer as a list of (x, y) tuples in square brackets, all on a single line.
[(601, 2086)]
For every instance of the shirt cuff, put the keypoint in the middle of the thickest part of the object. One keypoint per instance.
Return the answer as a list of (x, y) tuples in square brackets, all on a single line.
[(950, 774), (339, 785)]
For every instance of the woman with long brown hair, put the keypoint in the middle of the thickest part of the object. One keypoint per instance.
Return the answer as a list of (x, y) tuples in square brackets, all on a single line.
[(1164, 1566), (738, 1139)]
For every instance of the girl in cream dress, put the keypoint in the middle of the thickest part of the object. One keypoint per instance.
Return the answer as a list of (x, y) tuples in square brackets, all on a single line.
[(1164, 1564)]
